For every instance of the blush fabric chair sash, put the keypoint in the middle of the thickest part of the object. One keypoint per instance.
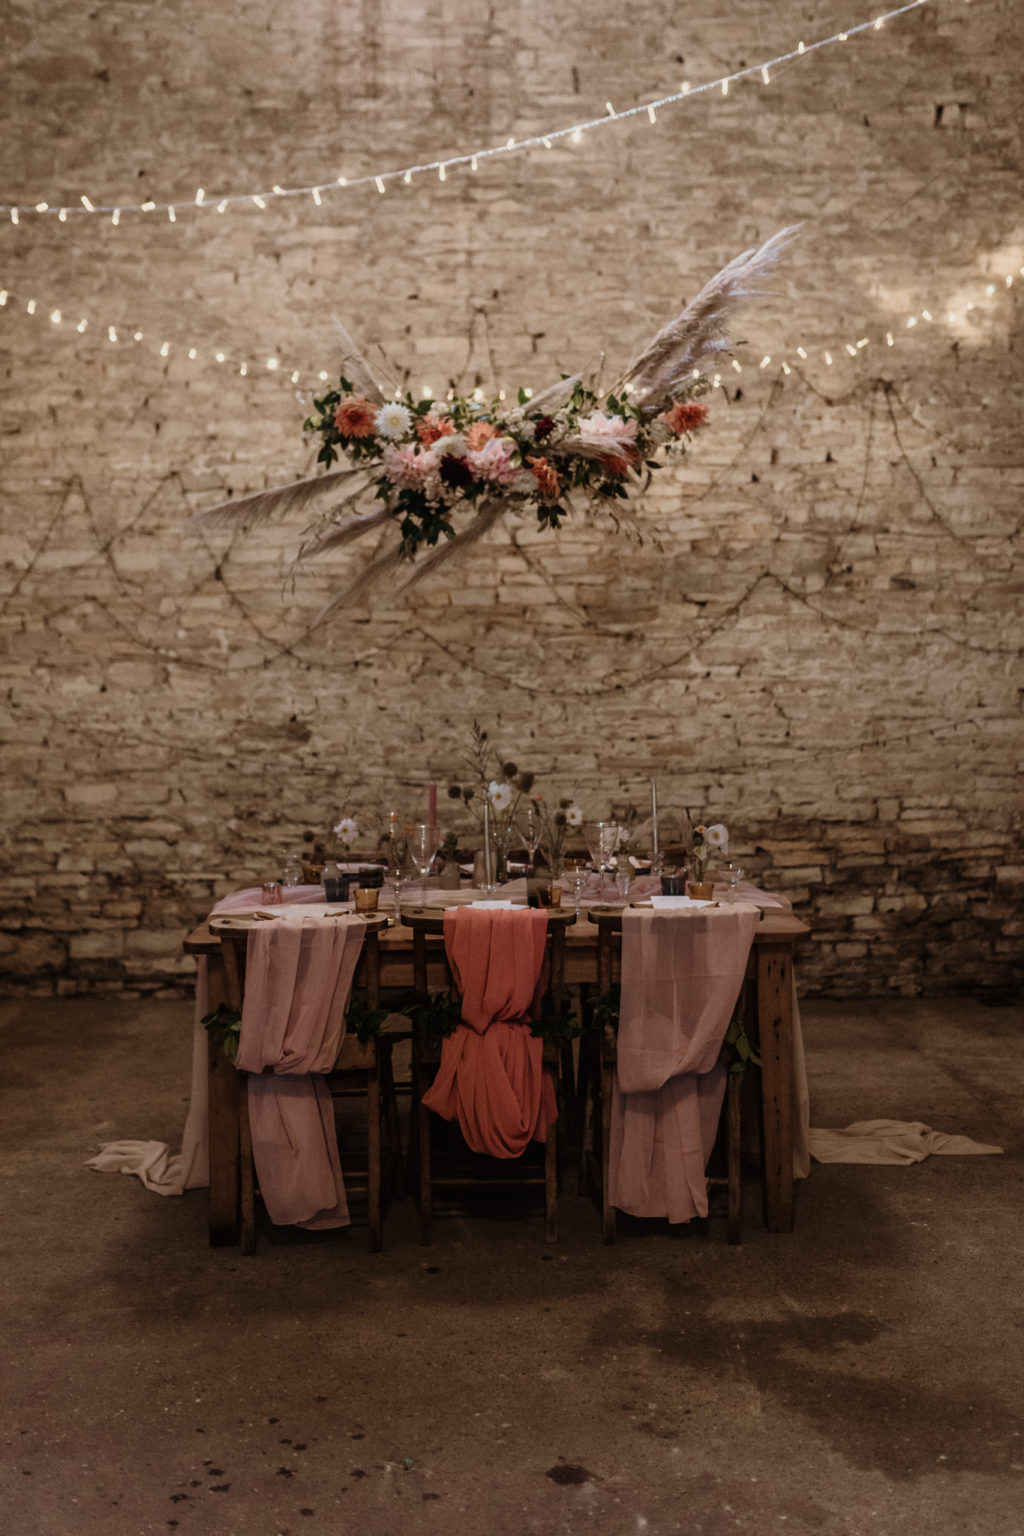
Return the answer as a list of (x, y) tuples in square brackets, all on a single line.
[(681, 976), (298, 980), (491, 1078)]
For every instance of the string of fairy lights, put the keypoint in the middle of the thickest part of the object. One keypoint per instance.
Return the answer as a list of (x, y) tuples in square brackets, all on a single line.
[(90, 206), (955, 321), (61, 318)]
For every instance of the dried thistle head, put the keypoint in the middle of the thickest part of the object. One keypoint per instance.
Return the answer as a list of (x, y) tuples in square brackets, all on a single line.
[(509, 770), (524, 781)]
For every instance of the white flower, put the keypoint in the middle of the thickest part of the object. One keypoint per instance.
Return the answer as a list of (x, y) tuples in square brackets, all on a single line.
[(393, 420), (346, 831), (717, 837), (574, 817), (500, 795)]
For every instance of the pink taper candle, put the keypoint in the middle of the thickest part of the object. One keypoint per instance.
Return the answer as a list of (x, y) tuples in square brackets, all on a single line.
[(432, 802)]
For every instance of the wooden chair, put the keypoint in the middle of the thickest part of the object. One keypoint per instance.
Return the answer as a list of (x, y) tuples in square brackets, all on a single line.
[(362, 1071), (464, 1170), (597, 1076)]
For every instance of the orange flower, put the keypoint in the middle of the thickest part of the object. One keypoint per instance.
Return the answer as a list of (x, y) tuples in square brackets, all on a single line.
[(616, 466), (685, 417), (431, 427), (355, 417), (546, 478), (479, 433)]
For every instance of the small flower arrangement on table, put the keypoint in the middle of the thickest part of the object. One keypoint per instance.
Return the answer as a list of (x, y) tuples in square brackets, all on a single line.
[(502, 791), (707, 843), (557, 823)]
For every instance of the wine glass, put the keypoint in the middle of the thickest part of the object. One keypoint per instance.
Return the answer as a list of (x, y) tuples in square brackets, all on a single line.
[(396, 854), (530, 829), (733, 876), (602, 840), (422, 846), (577, 872)]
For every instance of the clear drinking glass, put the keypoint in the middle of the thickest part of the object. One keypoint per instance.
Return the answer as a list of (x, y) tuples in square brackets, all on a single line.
[(530, 828), (602, 840), (422, 846), (291, 869), (577, 873)]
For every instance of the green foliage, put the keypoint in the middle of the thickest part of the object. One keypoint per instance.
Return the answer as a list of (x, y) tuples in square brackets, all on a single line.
[(224, 1027), (606, 1010), (557, 1023), (434, 1015), (737, 1051), (364, 1022)]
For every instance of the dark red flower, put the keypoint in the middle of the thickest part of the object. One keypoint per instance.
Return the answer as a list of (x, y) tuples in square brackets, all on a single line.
[(455, 472), (543, 427)]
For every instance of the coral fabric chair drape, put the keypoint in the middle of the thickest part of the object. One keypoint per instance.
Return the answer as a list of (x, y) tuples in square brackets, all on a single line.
[(298, 980), (681, 976), (491, 1078)]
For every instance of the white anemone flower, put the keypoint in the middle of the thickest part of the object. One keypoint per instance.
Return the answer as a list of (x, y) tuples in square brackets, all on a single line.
[(500, 795), (574, 817), (717, 837), (346, 831), (393, 420)]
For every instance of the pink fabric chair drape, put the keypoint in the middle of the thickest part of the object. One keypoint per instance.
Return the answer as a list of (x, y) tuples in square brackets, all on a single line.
[(681, 976), (491, 1076), (298, 980)]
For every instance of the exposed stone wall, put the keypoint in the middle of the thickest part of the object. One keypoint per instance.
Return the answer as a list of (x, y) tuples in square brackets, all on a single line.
[(818, 639)]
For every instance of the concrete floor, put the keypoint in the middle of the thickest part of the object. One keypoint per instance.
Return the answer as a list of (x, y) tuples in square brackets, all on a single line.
[(861, 1375)]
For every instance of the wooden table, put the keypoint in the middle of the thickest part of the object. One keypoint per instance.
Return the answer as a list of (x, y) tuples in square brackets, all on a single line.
[(770, 984)]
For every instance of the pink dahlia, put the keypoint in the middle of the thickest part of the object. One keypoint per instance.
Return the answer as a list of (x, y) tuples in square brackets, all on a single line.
[(600, 425), (493, 461), (406, 467)]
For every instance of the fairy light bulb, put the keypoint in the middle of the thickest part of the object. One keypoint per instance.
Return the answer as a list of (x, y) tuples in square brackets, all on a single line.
[(380, 183), (765, 75), (652, 115), (315, 194)]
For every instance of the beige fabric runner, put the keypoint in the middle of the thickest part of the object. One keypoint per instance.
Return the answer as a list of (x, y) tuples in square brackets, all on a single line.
[(890, 1141)]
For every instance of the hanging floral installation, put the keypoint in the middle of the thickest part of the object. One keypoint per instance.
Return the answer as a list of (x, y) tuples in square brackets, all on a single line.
[(442, 473)]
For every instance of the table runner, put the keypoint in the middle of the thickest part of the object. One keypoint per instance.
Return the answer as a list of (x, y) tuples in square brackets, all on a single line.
[(681, 976), (491, 1076), (298, 980)]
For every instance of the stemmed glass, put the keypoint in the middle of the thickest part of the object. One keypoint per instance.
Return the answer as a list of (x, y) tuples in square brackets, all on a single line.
[(399, 865), (423, 846), (602, 840), (734, 876), (530, 830), (577, 872)]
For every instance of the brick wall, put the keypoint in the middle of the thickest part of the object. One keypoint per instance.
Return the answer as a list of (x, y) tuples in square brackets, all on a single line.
[(817, 640)]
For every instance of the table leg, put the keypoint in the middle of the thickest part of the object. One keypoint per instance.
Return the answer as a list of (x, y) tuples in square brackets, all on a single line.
[(775, 1033), (223, 1124)]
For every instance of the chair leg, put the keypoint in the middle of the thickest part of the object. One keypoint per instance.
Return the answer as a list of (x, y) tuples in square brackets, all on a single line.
[(734, 1154), (247, 1173), (421, 1133), (389, 1099), (551, 1185), (585, 1087), (373, 1201), (607, 1210)]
